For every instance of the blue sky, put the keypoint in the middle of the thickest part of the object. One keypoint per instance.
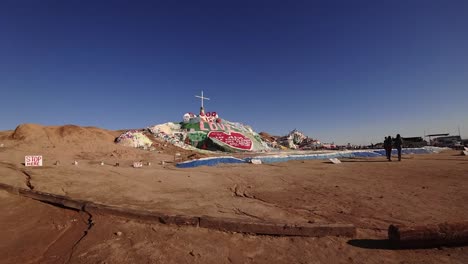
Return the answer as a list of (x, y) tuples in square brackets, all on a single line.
[(341, 71)]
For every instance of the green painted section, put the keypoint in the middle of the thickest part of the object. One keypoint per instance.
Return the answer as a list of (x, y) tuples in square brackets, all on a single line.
[(196, 139), (191, 126)]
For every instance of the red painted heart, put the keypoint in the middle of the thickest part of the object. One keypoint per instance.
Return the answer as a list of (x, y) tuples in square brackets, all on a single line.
[(234, 139)]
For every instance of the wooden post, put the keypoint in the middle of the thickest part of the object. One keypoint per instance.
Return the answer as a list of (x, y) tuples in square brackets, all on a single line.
[(445, 234)]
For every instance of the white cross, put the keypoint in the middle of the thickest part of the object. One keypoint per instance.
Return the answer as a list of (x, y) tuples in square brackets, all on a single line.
[(202, 98)]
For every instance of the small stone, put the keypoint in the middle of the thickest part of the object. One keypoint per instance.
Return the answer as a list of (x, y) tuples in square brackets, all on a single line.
[(117, 164), (75, 162), (137, 164), (57, 163), (102, 163), (149, 163), (118, 233)]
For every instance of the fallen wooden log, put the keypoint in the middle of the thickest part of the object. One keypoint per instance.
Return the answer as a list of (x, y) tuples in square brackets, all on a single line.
[(277, 229), (224, 224), (444, 234)]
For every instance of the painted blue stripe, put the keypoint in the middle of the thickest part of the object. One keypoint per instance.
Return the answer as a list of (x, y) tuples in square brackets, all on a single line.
[(209, 162), (282, 158)]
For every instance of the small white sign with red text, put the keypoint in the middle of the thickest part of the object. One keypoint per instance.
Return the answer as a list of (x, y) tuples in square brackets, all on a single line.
[(32, 161)]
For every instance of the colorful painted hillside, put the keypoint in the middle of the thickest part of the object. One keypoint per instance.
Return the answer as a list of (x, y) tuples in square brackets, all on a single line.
[(207, 131)]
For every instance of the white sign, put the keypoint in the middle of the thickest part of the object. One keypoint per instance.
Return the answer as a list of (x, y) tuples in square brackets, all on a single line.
[(33, 161), (137, 164)]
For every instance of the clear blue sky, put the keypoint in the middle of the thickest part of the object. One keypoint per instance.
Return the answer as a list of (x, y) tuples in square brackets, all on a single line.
[(342, 71)]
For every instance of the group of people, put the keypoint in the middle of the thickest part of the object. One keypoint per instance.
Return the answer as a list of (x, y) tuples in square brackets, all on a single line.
[(388, 145)]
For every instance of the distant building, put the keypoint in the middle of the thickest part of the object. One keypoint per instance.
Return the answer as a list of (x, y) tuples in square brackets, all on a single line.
[(448, 141)]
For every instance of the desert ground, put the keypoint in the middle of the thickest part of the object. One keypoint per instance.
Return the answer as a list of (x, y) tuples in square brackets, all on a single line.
[(369, 193)]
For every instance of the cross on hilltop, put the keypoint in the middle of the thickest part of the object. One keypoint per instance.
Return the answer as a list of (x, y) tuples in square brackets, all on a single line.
[(202, 98)]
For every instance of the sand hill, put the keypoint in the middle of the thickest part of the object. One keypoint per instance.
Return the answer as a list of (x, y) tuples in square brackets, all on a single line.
[(71, 142), (68, 136), (58, 134)]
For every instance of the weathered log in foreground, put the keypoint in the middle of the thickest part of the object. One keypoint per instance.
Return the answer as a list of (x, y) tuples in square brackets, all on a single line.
[(219, 223), (445, 234), (277, 229)]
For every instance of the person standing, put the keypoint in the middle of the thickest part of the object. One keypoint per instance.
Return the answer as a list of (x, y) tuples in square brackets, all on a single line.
[(398, 144), (385, 142), (388, 147)]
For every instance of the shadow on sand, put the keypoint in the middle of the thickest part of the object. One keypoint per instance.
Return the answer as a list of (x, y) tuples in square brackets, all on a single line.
[(367, 161), (371, 243), (386, 244)]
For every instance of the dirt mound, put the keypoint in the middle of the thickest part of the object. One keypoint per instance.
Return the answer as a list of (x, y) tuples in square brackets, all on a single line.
[(72, 133), (70, 130), (59, 134), (88, 143), (70, 137), (5, 135), (27, 132), (71, 142)]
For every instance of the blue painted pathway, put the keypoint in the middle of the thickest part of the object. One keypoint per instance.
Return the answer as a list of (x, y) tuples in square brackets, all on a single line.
[(322, 156)]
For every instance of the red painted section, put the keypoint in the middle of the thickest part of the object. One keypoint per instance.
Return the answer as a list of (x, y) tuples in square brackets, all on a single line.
[(233, 139)]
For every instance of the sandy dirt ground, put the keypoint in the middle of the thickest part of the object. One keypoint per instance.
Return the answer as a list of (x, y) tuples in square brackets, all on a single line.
[(34, 232), (369, 193)]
